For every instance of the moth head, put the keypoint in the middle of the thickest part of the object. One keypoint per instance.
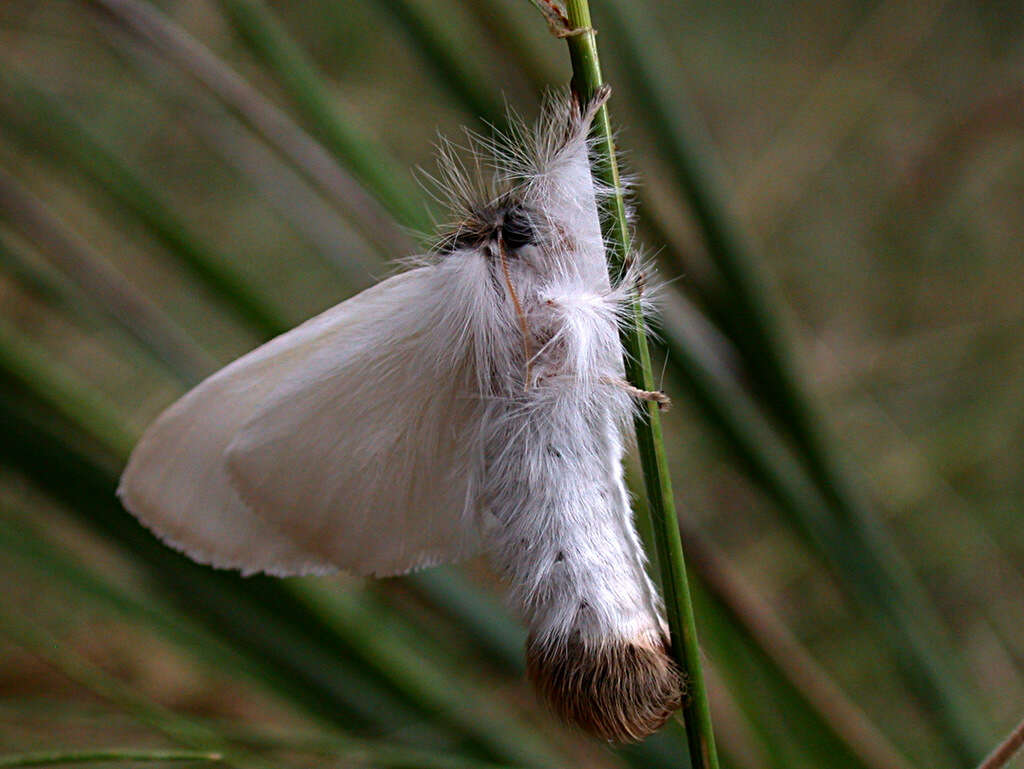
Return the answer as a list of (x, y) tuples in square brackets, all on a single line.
[(529, 189), (617, 690), (517, 228), (505, 223)]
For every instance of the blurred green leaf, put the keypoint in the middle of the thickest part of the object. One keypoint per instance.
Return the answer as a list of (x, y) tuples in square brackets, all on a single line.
[(60, 758), (42, 121), (846, 529), (372, 164)]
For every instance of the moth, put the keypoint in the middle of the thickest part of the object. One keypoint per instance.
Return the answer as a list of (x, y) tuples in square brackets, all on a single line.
[(475, 402)]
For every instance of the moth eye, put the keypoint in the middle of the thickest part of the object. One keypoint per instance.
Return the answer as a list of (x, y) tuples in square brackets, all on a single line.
[(516, 231)]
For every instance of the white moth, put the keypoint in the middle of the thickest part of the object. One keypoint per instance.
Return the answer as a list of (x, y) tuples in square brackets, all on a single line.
[(474, 402)]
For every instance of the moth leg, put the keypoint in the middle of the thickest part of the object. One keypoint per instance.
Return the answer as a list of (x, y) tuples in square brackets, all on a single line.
[(598, 100), (655, 396)]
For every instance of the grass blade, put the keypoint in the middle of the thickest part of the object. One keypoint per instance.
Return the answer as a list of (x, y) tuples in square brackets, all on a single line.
[(447, 58), (64, 392), (119, 298), (63, 757), (438, 688), (661, 504), (1005, 750), (40, 642), (863, 554), (42, 120), (376, 753), (371, 164), (284, 188), (276, 126), (840, 716)]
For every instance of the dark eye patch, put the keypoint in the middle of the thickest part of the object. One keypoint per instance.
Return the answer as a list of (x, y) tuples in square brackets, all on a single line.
[(516, 230), (509, 224)]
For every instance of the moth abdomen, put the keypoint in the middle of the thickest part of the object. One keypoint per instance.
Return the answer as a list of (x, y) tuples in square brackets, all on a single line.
[(615, 689)]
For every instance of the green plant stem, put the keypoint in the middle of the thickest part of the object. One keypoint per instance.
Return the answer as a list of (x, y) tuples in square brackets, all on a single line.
[(50, 758), (679, 607)]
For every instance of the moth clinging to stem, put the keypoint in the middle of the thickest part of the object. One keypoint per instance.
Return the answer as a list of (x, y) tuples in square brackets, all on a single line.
[(473, 402)]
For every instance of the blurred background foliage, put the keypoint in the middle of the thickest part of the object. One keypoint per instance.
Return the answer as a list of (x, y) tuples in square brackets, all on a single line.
[(833, 194)]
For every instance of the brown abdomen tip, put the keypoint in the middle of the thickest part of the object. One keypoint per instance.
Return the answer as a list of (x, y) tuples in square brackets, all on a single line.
[(618, 690)]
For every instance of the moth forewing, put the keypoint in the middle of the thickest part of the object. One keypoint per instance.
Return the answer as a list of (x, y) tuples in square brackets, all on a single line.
[(285, 461), (474, 401)]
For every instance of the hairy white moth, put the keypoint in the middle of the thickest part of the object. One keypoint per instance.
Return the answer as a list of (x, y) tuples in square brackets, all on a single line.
[(473, 402)]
